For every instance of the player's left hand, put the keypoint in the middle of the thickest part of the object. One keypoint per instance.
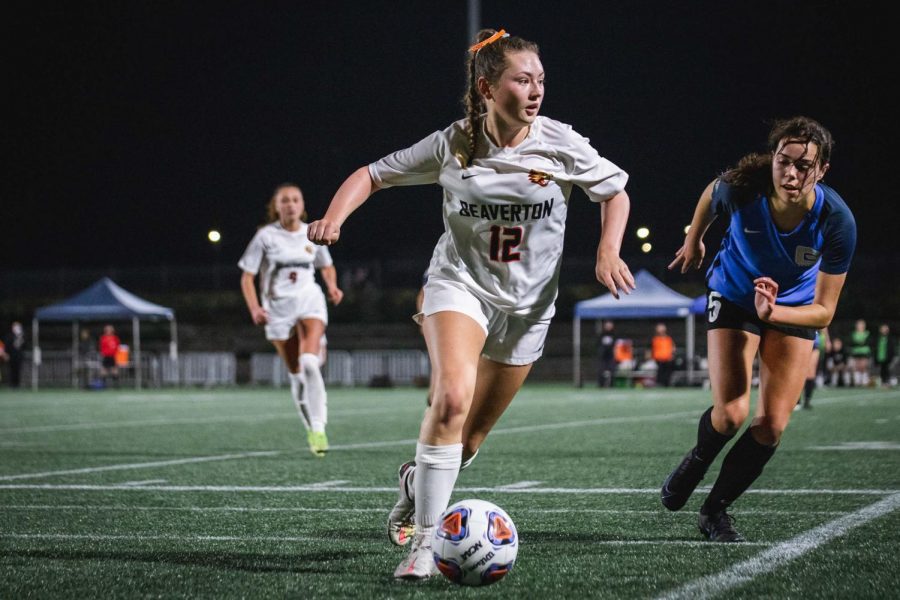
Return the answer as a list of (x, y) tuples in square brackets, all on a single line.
[(612, 272), (335, 295), (323, 232), (766, 291)]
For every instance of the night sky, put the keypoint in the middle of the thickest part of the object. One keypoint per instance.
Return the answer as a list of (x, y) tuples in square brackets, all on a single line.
[(135, 127)]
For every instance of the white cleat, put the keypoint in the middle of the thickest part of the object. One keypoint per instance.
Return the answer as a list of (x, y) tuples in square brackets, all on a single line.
[(419, 563), (401, 522)]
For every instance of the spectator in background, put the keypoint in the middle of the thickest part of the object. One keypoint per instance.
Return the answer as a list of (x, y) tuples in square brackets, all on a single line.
[(14, 350), (662, 349), (648, 370), (885, 353), (836, 363), (109, 346), (860, 353), (821, 341), (623, 354), (86, 349), (605, 354)]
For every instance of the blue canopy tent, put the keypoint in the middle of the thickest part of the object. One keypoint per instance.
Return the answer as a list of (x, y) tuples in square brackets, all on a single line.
[(651, 299), (103, 301)]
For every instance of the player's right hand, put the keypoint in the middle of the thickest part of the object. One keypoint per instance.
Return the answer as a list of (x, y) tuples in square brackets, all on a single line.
[(259, 316), (689, 256), (323, 232)]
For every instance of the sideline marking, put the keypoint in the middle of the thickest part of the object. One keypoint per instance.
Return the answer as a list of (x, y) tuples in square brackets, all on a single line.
[(315, 487), (302, 509), (140, 537), (779, 555), (147, 465)]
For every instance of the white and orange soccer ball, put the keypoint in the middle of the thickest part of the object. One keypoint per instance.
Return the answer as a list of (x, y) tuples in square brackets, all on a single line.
[(476, 543)]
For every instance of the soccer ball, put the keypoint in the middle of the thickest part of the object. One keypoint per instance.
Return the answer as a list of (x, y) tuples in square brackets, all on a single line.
[(475, 543)]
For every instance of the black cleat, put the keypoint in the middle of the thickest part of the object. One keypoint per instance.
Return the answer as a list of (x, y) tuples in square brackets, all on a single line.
[(719, 527), (681, 482)]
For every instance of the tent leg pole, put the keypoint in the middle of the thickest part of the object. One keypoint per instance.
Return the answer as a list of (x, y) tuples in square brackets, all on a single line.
[(136, 333)]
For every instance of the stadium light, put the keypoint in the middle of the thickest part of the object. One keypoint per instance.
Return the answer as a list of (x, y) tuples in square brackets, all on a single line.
[(643, 232), (646, 247), (687, 228), (214, 236)]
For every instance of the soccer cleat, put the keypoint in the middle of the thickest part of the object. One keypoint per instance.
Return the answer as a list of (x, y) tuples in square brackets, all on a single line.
[(401, 521), (419, 563), (681, 482), (719, 527), (318, 443)]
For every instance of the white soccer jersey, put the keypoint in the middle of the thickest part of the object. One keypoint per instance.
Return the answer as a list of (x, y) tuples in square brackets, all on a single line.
[(504, 215), (285, 260)]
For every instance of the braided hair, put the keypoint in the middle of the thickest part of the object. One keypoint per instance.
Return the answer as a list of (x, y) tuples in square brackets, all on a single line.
[(489, 62)]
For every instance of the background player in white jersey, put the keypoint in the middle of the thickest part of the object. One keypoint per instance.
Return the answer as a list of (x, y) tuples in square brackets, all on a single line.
[(293, 308), (775, 280), (507, 174)]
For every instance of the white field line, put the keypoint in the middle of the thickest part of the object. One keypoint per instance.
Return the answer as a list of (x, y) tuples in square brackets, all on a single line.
[(144, 482), (532, 428), (549, 426), (184, 421), (300, 509), (780, 554), (146, 465), (143, 537), (315, 487)]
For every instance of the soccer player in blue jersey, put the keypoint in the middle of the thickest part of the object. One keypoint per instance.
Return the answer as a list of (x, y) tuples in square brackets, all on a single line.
[(775, 280)]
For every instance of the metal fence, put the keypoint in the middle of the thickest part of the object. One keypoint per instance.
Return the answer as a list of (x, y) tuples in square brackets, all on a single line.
[(207, 369), (359, 368), (210, 369)]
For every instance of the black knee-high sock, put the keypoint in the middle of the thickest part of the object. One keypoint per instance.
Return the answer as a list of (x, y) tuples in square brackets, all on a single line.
[(741, 467), (709, 441), (808, 388)]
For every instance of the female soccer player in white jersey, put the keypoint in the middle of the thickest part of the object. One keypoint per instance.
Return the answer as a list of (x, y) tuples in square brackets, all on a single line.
[(507, 174), (293, 308), (775, 280)]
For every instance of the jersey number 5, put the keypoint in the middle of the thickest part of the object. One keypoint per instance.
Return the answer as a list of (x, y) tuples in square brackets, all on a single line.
[(504, 241)]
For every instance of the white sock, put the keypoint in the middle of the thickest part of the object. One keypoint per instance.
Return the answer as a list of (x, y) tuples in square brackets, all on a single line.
[(466, 463), (315, 385), (298, 394), (436, 471)]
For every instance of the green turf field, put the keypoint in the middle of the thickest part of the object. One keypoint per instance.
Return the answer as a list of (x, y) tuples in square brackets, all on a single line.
[(213, 494)]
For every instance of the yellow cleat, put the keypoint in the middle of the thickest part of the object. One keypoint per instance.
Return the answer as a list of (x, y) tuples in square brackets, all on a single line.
[(318, 443)]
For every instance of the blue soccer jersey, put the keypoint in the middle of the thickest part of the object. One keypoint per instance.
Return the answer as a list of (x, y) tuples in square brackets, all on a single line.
[(754, 247)]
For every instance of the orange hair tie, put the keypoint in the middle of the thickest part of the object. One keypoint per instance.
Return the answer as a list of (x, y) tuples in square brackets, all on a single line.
[(500, 34)]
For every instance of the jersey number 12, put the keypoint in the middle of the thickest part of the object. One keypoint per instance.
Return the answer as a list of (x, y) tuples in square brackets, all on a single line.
[(504, 241)]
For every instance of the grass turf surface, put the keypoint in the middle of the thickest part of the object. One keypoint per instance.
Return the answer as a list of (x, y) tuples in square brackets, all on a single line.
[(187, 493)]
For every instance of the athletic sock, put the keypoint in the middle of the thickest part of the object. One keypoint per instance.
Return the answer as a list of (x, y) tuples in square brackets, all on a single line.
[(467, 462), (315, 386), (808, 389), (742, 466), (709, 441), (436, 471), (298, 394)]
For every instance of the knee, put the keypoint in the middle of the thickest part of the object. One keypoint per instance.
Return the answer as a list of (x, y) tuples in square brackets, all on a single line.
[(309, 362), (767, 431), (729, 419), (450, 402)]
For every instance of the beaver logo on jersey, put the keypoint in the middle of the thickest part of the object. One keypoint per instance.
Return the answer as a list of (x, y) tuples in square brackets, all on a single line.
[(539, 177)]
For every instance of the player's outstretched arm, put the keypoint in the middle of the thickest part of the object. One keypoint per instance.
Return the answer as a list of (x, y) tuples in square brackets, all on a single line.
[(691, 254), (610, 269), (355, 190)]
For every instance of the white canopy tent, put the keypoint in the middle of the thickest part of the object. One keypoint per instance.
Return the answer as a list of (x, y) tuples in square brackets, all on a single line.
[(103, 301), (651, 299)]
